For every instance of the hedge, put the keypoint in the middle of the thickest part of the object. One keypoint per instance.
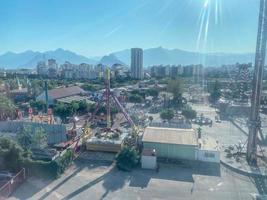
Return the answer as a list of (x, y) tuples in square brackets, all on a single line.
[(52, 169)]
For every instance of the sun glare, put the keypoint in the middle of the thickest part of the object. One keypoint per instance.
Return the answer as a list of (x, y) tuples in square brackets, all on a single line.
[(206, 3)]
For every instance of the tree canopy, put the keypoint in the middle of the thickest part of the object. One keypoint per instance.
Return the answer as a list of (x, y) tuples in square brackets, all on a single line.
[(175, 87), (7, 108), (12, 154), (189, 113), (167, 114), (29, 138), (127, 159), (135, 98)]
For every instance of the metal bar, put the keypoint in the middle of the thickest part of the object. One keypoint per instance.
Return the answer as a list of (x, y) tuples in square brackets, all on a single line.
[(254, 120)]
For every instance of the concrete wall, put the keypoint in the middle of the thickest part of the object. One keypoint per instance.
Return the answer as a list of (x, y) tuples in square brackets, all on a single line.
[(208, 156), (56, 133), (173, 151), (149, 162)]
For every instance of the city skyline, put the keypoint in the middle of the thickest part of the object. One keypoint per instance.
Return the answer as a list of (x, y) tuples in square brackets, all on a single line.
[(97, 28)]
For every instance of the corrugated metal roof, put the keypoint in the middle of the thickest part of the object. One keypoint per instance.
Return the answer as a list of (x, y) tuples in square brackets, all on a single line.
[(58, 93), (75, 98), (170, 136)]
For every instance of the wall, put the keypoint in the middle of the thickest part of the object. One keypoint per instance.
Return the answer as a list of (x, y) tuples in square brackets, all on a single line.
[(173, 151), (56, 132), (208, 156), (149, 162)]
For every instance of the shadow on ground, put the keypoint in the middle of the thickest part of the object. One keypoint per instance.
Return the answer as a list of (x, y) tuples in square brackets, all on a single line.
[(114, 179), (260, 183), (33, 186)]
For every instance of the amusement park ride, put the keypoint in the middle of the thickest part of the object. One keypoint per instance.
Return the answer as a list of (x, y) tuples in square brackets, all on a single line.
[(106, 99), (254, 118)]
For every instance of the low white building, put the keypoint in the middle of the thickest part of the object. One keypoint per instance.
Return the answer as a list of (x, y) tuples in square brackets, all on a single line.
[(208, 150), (180, 144), (149, 159)]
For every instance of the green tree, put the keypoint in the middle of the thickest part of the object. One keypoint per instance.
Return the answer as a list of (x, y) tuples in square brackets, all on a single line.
[(83, 107), (127, 159), (189, 113), (167, 114), (175, 87), (89, 87), (12, 154), (215, 93), (199, 132), (73, 107), (37, 105), (7, 108), (153, 92), (135, 98), (62, 111), (25, 138), (39, 138)]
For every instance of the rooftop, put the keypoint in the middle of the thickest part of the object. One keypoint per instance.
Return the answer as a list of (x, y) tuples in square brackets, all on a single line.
[(170, 136), (22, 90), (58, 93), (70, 99)]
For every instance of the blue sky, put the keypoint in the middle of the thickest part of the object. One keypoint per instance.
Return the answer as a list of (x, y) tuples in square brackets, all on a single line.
[(98, 27)]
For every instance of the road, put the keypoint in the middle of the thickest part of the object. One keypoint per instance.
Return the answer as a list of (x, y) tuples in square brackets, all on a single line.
[(225, 132)]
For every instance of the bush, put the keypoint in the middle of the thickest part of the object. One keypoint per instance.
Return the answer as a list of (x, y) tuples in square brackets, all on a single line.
[(189, 113), (167, 114), (135, 98), (52, 169), (11, 153), (127, 159)]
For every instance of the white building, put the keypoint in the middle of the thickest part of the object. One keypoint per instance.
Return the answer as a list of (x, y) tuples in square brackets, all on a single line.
[(42, 68), (82, 71), (137, 71)]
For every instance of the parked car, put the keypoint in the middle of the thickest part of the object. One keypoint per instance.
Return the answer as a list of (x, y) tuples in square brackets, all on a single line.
[(5, 175)]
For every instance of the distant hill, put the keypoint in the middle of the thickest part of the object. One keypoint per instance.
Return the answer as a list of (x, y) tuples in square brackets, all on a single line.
[(152, 56), (29, 59), (110, 60), (157, 56)]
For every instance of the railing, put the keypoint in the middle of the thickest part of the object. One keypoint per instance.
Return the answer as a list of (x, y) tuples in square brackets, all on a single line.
[(7, 189), (171, 125)]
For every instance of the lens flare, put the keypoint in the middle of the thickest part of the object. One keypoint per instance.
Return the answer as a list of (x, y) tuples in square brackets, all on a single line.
[(209, 14), (206, 3)]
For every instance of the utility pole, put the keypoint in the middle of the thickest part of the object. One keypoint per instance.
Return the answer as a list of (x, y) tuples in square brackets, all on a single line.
[(254, 118), (108, 98), (46, 97)]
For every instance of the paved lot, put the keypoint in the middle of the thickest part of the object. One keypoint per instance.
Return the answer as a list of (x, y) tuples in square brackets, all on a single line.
[(225, 132), (96, 181)]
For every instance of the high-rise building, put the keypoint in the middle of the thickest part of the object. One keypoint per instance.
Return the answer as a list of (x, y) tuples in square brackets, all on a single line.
[(137, 63), (42, 68)]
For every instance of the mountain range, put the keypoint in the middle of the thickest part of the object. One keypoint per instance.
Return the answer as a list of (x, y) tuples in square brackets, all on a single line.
[(152, 56)]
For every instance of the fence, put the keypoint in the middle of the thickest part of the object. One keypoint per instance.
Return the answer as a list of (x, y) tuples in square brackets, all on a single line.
[(171, 125), (56, 133), (7, 189)]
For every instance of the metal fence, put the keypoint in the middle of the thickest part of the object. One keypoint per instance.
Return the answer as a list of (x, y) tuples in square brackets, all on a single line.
[(56, 133), (171, 125), (7, 189)]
